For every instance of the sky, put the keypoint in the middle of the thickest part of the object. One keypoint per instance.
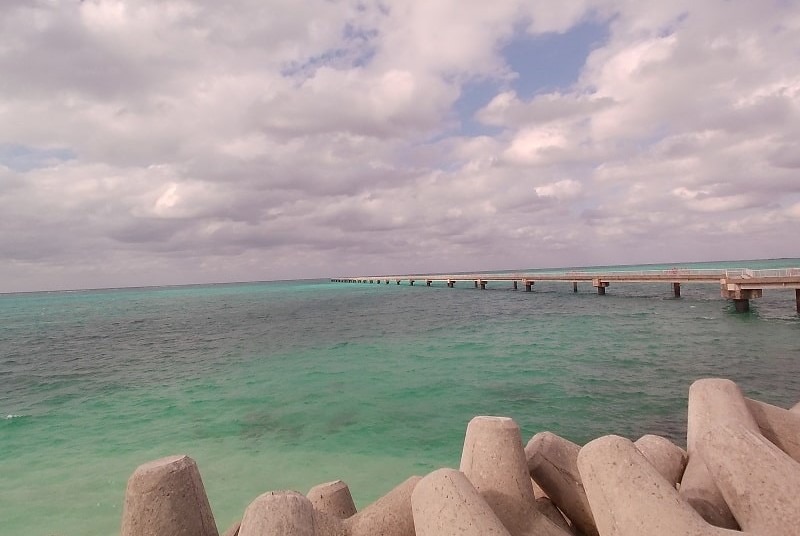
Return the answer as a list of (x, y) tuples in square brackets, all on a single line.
[(161, 142)]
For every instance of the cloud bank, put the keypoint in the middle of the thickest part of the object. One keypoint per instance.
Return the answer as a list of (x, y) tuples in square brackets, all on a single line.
[(176, 141)]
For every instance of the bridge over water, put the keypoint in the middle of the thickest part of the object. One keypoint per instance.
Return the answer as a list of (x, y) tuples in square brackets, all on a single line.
[(740, 285)]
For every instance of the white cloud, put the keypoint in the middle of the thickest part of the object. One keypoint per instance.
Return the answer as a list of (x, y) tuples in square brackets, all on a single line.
[(258, 139)]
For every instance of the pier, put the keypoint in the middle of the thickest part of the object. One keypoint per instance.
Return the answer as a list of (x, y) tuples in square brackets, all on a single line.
[(739, 285)]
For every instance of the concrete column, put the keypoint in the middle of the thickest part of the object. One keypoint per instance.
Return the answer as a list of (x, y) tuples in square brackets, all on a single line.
[(428, 282), (483, 284), (445, 503), (515, 287), (668, 458), (528, 285), (741, 297), (547, 508), (758, 480), (676, 289), (279, 513), (553, 465), (391, 515), (778, 425), (712, 401), (167, 496), (333, 498), (574, 286), (628, 496), (493, 459), (600, 285), (476, 283)]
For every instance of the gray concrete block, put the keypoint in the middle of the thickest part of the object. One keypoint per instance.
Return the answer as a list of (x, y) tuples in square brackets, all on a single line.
[(668, 458), (759, 481), (391, 515), (553, 463), (333, 498), (493, 460), (629, 497), (278, 513), (551, 512), (445, 503), (167, 496), (711, 401), (780, 426)]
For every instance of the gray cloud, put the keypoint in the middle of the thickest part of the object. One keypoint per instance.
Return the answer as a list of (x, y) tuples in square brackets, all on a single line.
[(160, 142)]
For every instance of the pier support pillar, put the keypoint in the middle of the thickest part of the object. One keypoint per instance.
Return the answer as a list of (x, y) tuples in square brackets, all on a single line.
[(574, 286), (476, 283), (601, 286), (797, 299), (741, 297), (676, 289), (483, 285), (515, 285), (451, 283), (741, 305), (528, 285), (428, 283)]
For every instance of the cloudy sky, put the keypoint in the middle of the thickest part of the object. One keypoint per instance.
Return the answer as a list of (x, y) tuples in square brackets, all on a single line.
[(179, 141)]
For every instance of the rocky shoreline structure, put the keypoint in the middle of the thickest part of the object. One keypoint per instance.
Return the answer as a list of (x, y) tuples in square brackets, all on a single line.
[(739, 474)]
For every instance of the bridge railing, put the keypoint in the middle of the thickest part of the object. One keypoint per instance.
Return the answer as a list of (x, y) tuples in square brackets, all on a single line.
[(741, 273), (746, 273)]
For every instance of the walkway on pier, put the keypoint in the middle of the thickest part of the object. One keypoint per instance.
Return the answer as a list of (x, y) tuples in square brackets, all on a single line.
[(740, 285)]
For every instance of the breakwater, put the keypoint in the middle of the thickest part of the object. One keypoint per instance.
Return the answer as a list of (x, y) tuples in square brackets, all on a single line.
[(739, 284), (740, 471)]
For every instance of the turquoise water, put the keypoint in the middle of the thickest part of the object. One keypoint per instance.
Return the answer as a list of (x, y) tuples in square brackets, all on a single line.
[(286, 385)]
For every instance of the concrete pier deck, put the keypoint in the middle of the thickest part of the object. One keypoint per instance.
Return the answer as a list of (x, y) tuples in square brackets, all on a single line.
[(740, 285)]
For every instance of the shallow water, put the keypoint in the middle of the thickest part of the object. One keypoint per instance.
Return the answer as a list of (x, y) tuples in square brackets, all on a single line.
[(286, 385)]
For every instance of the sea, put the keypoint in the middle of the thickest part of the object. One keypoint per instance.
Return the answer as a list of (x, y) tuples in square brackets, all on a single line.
[(285, 385)]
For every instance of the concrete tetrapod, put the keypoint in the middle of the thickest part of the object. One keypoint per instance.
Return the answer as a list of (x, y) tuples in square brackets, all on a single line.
[(494, 462), (780, 426), (445, 503), (711, 401), (233, 530), (667, 457), (553, 464), (390, 515), (279, 513), (167, 496), (629, 497), (547, 508), (760, 482), (333, 498)]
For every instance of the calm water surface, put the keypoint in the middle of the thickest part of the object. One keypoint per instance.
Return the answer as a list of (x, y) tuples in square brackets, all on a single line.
[(286, 385)]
